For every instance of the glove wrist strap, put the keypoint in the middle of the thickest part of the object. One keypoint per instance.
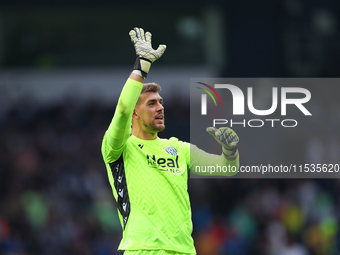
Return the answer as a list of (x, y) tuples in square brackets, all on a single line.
[(138, 72), (143, 65), (230, 153)]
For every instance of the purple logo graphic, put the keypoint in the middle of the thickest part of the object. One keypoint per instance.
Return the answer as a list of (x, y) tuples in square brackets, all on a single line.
[(204, 97)]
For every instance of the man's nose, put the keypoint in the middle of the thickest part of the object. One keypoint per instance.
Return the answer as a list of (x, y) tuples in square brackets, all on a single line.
[(160, 107)]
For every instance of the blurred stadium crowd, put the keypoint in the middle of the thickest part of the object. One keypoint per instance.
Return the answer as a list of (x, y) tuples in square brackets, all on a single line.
[(55, 197)]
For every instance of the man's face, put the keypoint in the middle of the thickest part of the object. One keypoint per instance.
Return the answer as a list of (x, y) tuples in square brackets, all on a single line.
[(150, 111)]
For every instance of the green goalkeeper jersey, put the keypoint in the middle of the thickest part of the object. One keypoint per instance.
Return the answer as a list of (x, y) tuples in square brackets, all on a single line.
[(149, 182)]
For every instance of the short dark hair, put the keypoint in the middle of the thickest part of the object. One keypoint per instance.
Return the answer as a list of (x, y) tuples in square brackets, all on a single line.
[(150, 87)]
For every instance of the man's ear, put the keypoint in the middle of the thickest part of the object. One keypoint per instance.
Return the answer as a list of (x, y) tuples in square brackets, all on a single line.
[(134, 115)]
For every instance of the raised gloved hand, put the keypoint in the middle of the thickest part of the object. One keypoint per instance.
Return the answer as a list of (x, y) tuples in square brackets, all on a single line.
[(227, 138), (146, 55)]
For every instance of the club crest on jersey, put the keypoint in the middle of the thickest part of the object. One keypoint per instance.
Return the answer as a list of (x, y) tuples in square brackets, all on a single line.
[(171, 150)]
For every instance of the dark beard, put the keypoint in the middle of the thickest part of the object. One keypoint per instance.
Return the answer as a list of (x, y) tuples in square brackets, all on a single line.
[(152, 128)]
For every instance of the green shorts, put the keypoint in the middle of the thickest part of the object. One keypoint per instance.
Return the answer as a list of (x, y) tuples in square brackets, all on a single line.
[(152, 252)]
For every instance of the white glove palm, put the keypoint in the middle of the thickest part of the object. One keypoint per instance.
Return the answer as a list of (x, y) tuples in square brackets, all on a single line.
[(227, 138), (145, 53)]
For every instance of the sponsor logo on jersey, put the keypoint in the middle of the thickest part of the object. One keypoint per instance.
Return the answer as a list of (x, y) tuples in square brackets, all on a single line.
[(171, 150), (164, 164)]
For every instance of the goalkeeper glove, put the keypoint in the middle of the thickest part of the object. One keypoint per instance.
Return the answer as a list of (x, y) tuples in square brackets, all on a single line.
[(227, 138), (146, 55)]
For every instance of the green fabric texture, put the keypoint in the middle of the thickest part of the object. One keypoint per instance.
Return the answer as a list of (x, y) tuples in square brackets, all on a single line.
[(155, 174)]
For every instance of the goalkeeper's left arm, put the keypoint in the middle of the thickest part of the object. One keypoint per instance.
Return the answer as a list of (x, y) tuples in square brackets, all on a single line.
[(226, 164)]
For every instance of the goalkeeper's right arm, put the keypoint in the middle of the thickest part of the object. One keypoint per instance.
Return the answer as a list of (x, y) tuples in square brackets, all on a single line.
[(120, 127)]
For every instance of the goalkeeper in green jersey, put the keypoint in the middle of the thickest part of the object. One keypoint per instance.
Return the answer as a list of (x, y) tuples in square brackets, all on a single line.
[(149, 175)]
